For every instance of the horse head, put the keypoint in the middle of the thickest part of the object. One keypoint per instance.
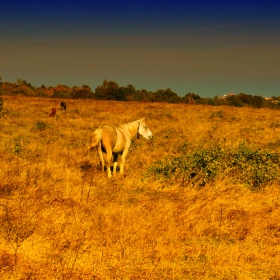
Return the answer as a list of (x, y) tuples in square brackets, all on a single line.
[(143, 130)]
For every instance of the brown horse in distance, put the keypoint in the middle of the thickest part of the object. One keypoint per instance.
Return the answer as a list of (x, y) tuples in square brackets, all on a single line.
[(53, 112)]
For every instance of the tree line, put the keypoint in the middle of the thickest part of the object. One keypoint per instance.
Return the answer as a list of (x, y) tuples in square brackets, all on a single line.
[(110, 90)]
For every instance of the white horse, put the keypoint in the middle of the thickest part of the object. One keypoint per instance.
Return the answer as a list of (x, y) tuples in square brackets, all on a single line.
[(116, 141)]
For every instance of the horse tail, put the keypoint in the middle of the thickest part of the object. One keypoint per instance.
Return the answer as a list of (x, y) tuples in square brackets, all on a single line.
[(95, 138)]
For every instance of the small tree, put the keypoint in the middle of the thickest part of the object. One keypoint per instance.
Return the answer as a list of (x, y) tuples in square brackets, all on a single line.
[(1, 103), (191, 98), (82, 92), (166, 95), (107, 91)]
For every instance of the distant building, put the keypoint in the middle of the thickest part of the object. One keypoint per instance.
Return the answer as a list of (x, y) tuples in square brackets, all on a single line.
[(272, 100), (225, 96)]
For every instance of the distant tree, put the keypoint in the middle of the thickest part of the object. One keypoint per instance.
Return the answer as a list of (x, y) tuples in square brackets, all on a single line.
[(130, 92), (233, 101), (188, 99), (101, 91), (166, 95), (1, 103), (112, 89), (196, 96), (209, 101), (121, 94), (7, 87), (217, 101), (107, 91), (258, 101), (126, 93), (191, 98), (1, 88), (143, 95), (19, 81), (61, 91), (245, 98), (82, 92), (22, 87), (41, 91)]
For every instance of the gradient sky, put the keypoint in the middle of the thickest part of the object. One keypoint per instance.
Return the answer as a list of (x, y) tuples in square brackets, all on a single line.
[(206, 47)]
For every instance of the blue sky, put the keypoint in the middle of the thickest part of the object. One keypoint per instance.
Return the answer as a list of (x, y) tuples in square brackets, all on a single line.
[(206, 47)]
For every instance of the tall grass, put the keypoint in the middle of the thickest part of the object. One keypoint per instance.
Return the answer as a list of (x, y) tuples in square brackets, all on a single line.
[(62, 218)]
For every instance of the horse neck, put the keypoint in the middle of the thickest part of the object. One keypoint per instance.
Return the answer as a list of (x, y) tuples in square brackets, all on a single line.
[(132, 128)]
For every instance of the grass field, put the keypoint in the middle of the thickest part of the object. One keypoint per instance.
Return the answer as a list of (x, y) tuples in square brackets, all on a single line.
[(62, 218)]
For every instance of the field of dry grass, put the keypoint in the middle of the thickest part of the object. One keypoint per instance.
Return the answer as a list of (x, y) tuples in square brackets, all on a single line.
[(61, 218)]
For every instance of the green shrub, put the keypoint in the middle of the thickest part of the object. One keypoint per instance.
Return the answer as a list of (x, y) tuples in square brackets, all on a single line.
[(17, 145), (252, 167), (40, 125), (218, 114), (257, 167)]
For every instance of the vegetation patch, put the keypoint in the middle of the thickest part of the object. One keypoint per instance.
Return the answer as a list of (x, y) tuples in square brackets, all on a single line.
[(40, 125), (222, 115), (218, 114), (17, 145), (251, 167), (274, 125)]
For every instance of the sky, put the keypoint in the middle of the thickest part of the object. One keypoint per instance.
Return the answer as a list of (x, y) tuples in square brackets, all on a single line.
[(209, 48)]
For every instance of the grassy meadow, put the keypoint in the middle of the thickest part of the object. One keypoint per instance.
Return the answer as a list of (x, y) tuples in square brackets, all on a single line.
[(62, 218)]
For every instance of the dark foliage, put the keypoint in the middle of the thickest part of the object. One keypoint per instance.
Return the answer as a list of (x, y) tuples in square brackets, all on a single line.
[(1, 103), (110, 90)]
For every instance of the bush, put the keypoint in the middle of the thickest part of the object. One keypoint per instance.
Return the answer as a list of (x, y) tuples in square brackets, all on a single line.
[(40, 125), (17, 145), (1, 103), (252, 167)]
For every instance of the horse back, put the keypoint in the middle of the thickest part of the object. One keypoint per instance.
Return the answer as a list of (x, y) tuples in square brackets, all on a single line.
[(122, 140)]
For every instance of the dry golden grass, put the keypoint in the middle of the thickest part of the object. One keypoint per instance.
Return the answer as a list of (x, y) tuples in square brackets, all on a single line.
[(61, 218)]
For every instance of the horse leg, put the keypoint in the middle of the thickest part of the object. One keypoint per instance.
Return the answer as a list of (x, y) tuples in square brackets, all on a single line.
[(115, 164), (109, 159), (122, 160), (99, 151)]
